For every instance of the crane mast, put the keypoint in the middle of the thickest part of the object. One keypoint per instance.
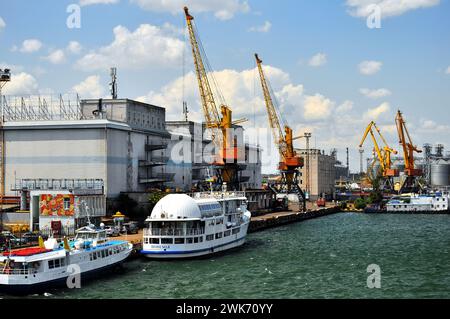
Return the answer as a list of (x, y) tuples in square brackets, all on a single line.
[(408, 147), (220, 124), (290, 162)]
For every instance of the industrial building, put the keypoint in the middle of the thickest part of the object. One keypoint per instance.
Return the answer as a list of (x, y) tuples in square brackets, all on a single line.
[(322, 173), (125, 144), (188, 160)]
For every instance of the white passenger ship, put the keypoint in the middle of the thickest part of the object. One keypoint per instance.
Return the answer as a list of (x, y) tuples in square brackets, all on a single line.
[(432, 203), (29, 269), (183, 226)]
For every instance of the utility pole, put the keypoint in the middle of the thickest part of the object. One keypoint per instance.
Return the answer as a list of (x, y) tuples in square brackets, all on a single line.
[(5, 76), (308, 175)]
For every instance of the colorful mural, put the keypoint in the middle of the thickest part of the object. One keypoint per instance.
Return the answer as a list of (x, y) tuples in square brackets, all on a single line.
[(53, 205)]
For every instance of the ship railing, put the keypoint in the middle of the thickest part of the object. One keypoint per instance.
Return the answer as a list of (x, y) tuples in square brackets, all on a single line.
[(173, 232), (6, 271), (217, 195)]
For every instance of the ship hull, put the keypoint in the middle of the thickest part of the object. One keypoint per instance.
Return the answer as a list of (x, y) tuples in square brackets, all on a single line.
[(45, 286)]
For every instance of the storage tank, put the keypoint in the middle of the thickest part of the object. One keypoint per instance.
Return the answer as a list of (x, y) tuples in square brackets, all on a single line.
[(440, 173)]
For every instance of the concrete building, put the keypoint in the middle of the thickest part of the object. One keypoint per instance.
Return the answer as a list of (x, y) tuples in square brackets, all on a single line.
[(121, 142), (187, 154), (322, 173)]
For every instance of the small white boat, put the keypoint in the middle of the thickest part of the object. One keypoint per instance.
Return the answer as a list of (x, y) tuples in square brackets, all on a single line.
[(29, 269), (182, 226)]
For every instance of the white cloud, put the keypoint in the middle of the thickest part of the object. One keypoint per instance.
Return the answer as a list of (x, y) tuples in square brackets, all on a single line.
[(90, 88), (375, 113), (2, 24), (30, 46), (375, 94), (448, 70), (56, 57), (263, 28), (345, 107), (147, 46), (91, 2), (318, 60), (74, 47), (21, 84), (222, 9), (389, 8), (369, 67), (317, 107)]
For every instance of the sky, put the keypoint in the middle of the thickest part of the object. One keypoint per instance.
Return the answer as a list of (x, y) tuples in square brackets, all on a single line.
[(333, 68)]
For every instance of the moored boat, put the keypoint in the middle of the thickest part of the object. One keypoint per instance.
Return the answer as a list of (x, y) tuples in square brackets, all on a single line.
[(182, 226), (31, 269)]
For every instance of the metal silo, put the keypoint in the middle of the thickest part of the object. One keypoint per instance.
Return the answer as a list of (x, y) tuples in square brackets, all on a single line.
[(440, 173)]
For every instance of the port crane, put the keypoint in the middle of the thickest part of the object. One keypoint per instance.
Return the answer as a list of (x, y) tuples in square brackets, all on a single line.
[(411, 172), (221, 124), (384, 154), (290, 162)]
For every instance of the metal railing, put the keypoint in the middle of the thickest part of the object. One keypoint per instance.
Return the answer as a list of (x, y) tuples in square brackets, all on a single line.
[(58, 184), (173, 232), (217, 195), (21, 271)]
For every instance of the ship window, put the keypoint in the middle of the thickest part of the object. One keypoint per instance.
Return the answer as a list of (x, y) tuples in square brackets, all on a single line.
[(189, 240), (154, 240), (195, 240), (166, 240), (201, 239), (98, 254), (103, 253), (236, 230), (62, 262), (219, 235), (209, 237), (179, 241), (227, 233), (51, 264), (56, 261), (90, 257)]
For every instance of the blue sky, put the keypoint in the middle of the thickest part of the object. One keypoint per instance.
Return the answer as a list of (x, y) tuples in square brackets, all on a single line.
[(409, 59)]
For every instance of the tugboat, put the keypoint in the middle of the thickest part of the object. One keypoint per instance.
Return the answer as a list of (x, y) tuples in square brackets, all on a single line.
[(28, 270), (199, 224)]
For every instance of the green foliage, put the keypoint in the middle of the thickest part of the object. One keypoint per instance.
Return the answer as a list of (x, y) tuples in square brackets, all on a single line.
[(360, 203), (343, 205), (155, 197)]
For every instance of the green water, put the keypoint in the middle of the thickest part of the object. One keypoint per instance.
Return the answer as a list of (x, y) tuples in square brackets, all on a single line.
[(321, 258)]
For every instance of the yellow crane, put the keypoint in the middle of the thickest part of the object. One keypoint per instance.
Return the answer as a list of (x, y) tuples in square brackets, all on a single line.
[(290, 162), (408, 147), (384, 155), (220, 124)]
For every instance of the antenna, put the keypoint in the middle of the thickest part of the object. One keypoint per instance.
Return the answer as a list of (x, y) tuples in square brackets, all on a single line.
[(185, 111), (113, 84)]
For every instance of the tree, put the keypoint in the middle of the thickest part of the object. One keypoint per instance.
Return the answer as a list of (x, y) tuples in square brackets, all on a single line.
[(154, 198), (360, 203)]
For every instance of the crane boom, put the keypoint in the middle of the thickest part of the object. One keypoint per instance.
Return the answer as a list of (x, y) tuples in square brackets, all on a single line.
[(210, 111), (408, 147), (284, 141)]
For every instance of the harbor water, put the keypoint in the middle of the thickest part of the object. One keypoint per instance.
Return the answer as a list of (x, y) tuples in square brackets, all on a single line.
[(320, 258)]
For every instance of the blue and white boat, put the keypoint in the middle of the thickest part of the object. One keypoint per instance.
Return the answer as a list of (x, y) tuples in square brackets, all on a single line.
[(30, 269), (184, 226), (437, 203)]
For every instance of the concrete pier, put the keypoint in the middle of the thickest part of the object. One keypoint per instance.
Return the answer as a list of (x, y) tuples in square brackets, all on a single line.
[(276, 219)]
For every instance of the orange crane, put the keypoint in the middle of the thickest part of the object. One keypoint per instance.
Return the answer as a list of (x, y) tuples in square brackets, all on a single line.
[(384, 155), (220, 124), (290, 162), (409, 148)]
